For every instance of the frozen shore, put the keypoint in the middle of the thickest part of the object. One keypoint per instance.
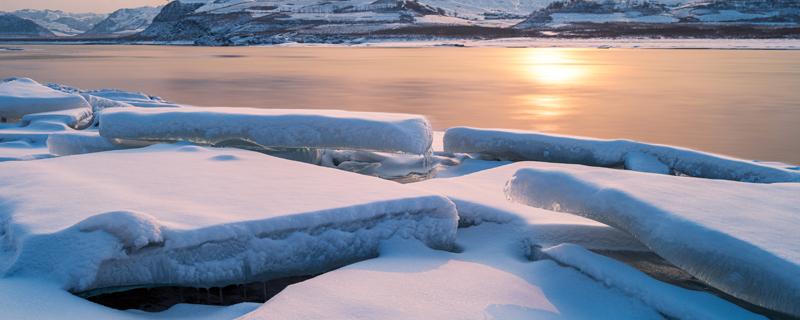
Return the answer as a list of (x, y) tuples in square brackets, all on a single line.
[(105, 190)]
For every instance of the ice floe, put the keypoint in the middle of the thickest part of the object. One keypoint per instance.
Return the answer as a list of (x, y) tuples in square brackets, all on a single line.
[(527, 145), (741, 238), (272, 128), (188, 215), (22, 96)]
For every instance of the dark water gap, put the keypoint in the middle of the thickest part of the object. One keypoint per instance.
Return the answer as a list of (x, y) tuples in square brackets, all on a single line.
[(156, 299)]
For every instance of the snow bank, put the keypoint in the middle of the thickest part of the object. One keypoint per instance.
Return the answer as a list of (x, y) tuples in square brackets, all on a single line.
[(739, 237), (22, 96), (187, 215), (672, 301), (488, 280), (275, 128), (479, 198), (526, 145)]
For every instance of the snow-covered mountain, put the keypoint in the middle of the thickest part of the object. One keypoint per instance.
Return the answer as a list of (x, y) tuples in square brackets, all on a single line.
[(251, 21), (125, 21), (566, 12), (13, 26), (61, 23)]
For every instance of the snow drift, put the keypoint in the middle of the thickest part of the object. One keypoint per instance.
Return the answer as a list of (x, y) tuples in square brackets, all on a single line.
[(526, 145), (739, 237), (187, 215), (271, 128)]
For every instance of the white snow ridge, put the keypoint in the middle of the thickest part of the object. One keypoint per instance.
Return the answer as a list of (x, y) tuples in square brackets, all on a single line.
[(272, 128), (526, 145)]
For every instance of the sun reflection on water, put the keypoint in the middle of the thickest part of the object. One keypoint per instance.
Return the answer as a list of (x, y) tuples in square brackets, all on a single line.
[(553, 66), (551, 71)]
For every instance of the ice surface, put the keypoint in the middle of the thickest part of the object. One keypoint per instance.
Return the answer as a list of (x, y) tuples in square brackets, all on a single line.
[(188, 215), (490, 279), (22, 96), (479, 198), (739, 237), (527, 145), (23, 299), (672, 301), (275, 128)]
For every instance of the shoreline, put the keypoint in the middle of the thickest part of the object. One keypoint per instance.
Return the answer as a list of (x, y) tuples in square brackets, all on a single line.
[(582, 43)]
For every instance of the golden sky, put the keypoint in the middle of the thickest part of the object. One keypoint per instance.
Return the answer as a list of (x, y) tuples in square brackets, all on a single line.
[(102, 6)]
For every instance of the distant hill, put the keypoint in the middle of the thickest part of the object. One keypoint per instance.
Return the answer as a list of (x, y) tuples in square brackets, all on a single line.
[(12, 26), (246, 22), (125, 21), (61, 23)]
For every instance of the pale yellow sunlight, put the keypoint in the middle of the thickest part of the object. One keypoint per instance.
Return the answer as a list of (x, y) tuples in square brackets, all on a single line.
[(552, 66)]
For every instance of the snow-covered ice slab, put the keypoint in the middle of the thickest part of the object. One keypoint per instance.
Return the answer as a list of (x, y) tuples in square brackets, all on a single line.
[(188, 215), (272, 128), (739, 237), (480, 198), (22, 96), (527, 145), (488, 280)]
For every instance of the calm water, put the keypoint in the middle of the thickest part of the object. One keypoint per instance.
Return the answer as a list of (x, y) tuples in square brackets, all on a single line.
[(741, 103)]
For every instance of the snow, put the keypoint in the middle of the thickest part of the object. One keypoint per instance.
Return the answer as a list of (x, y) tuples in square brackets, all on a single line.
[(80, 142), (118, 218), (479, 198), (674, 302), (22, 96), (489, 279), (22, 150), (23, 299), (72, 118), (272, 128), (529, 145), (738, 237)]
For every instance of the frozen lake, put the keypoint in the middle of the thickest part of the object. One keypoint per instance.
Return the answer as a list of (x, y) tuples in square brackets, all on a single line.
[(744, 103)]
